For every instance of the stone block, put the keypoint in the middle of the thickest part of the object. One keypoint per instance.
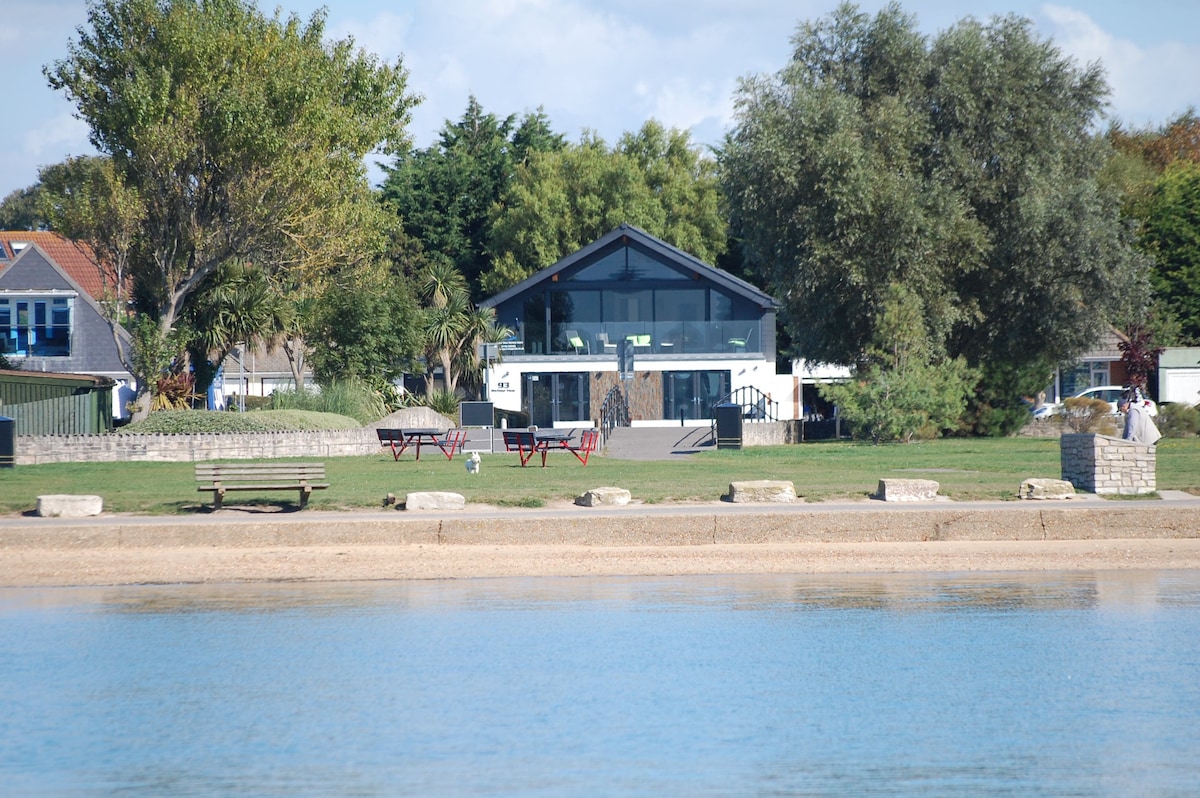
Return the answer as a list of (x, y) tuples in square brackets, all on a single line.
[(907, 490), (597, 497), (66, 505), (762, 490), (1046, 489), (435, 500)]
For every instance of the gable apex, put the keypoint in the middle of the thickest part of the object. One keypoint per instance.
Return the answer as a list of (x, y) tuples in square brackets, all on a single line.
[(628, 234)]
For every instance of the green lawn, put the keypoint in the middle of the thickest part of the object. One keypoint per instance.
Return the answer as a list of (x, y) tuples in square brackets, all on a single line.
[(966, 468)]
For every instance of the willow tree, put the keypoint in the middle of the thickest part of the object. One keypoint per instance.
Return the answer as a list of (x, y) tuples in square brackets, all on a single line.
[(961, 168), (240, 135)]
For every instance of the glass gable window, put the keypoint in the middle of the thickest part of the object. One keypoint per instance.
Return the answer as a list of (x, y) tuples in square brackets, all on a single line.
[(35, 326)]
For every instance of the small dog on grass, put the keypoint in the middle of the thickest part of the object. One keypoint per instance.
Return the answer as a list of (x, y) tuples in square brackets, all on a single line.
[(473, 463)]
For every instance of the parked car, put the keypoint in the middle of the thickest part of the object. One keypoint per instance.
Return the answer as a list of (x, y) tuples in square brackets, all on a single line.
[(1109, 393)]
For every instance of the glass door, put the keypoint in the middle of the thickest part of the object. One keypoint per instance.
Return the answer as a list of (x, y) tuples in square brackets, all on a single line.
[(692, 394), (551, 397)]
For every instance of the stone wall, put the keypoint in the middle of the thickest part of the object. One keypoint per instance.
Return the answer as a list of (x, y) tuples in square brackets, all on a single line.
[(770, 433), (1106, 465), (36, 450)]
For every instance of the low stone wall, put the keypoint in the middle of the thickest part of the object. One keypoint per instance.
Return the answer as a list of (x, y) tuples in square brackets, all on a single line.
[(36, 450), (770, 433), (1106, 465)]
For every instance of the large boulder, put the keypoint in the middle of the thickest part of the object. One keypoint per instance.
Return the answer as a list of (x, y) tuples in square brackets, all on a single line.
[(597, 497), (907, 490), (435, 500), (762, 490), (1046, 489), (65, 505)]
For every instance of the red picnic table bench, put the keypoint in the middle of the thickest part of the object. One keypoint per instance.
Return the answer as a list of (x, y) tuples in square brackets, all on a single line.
[(526, 442), (448, 441)]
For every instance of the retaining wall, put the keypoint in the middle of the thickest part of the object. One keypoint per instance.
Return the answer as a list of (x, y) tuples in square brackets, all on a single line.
[(193, 447)]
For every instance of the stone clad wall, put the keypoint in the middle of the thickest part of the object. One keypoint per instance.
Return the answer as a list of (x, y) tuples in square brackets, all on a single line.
[(1105, 465), (36, 450)]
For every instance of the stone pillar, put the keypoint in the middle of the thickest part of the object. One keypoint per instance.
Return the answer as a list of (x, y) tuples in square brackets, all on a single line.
[(1106, 465)]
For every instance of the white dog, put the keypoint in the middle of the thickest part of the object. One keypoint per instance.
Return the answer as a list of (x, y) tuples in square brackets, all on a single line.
[(473, 463)]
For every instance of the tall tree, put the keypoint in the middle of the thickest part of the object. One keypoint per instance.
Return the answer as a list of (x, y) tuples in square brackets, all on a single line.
[(564, 199), (241, 136), (962, 169), (443, 194), (1171, 234)]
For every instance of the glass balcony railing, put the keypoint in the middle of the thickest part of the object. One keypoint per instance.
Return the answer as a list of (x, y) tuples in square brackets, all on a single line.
[(659, 338)]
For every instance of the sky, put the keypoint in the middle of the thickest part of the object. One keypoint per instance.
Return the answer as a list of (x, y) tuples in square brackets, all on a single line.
[(605, 65)]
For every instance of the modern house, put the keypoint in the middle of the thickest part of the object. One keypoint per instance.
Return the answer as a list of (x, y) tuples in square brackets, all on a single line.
[(50, 320), (631, 311)]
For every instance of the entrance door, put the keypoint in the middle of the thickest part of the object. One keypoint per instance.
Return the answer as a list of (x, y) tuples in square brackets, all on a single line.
[(693, 393), (551, 397)]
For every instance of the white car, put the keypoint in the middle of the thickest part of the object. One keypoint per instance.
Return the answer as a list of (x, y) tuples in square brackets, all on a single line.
[(1109, 393)]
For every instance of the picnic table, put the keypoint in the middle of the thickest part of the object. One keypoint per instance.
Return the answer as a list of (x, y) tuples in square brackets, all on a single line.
[(448, 441), (526, 442)]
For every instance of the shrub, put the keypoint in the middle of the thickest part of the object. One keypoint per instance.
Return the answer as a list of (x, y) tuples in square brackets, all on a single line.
[(351, 398), (1176, 420), (1084, 414), (213, 421), (443, 402)]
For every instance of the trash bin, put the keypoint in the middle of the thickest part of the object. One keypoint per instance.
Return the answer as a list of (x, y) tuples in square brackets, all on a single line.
[(8, 442), (729, 426)]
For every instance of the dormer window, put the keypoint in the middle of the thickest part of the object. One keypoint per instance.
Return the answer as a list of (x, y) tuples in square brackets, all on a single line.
[(35, 325)]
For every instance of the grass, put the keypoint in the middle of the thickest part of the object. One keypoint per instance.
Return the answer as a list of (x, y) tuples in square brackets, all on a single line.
[(967, 469)]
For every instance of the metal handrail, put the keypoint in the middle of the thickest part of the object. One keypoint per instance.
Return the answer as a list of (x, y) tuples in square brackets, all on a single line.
[(756, 405), (614, 412)]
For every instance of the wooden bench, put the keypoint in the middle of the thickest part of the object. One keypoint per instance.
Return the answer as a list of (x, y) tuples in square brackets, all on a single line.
[(222, 477)]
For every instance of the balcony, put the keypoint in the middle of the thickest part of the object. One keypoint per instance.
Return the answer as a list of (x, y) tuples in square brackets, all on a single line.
[(657, 338)]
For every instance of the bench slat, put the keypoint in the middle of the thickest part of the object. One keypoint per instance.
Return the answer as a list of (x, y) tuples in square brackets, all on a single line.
[(219, 478)]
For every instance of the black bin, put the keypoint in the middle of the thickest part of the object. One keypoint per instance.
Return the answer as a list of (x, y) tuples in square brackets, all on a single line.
[(8, 442), (729, 426)]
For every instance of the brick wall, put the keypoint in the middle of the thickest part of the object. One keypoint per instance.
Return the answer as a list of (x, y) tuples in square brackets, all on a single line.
[(1106, 465), (35, 450)]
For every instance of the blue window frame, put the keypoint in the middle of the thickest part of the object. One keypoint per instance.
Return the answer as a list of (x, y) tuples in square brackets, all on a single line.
[(35, 326)]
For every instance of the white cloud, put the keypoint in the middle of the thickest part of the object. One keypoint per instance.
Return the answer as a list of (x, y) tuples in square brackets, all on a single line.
[(58, 134), (1144, 79)]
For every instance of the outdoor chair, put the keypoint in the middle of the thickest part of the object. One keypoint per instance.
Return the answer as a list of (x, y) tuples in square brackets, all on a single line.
[(581, 346)]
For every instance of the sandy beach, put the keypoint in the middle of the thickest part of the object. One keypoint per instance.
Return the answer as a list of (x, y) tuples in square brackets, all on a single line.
[(238, 546)]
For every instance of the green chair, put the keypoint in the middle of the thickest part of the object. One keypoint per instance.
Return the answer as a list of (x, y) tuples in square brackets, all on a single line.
[(581, 346), (638, 340)]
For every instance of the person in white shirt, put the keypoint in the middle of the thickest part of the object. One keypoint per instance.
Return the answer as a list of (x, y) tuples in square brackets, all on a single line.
[(1139, 427)]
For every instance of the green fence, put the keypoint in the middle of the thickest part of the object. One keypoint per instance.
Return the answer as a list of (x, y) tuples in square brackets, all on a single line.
[(56, 404)]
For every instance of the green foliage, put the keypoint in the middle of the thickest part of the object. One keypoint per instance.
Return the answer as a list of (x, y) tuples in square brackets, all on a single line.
[(228, 135), (351, 398), (1083, 414), (1172, 236), (962, 168), (443, 402), (21, 210), (1176, 420), (191, 421), (562, 200), (367, 331), (443, 194), (920, 401)]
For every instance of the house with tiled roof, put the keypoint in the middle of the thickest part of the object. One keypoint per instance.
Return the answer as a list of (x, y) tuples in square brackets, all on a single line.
[(50, 317)]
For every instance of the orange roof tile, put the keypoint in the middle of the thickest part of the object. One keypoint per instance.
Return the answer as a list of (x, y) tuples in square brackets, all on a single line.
[(75, 258)]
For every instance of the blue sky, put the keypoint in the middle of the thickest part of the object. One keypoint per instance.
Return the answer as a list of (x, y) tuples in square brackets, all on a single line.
[(607, 65)]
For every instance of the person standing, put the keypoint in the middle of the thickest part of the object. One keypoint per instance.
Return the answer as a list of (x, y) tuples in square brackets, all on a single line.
[(1139, 427)]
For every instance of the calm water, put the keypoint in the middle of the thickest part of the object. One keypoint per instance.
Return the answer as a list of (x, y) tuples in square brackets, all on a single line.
[(994, 684)]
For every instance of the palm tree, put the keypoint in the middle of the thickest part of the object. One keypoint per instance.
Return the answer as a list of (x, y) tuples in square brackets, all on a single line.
[(237, 304)]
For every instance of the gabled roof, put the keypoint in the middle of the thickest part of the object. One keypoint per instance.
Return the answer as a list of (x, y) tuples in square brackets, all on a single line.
[(74, 258), (658, 247)]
